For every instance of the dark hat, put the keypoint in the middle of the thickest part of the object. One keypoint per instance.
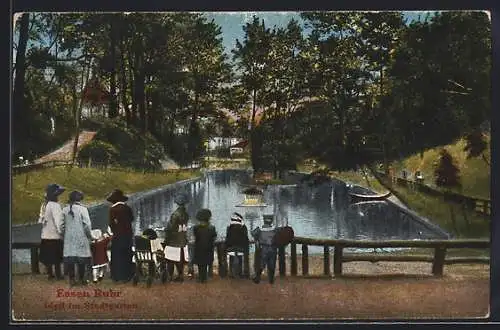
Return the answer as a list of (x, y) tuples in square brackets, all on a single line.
[(54, 189), (181, 199), (253, 191), (150, 233), (75, 196), (116, 196), (204, 215), (268, 218)]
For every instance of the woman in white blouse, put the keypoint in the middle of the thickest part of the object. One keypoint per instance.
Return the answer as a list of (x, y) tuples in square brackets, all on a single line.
[(51, 218)]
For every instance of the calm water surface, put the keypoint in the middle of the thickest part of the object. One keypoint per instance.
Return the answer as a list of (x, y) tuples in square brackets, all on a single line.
[(319, 211)]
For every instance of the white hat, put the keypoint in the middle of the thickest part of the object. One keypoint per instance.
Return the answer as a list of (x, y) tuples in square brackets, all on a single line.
[(236, 217), (96, 233)]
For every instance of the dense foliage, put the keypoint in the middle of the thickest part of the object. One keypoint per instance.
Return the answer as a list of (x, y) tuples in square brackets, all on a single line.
[(356, 88)]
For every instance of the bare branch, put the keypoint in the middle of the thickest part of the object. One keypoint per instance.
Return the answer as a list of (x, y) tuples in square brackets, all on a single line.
[(457, 84), (455, 92)]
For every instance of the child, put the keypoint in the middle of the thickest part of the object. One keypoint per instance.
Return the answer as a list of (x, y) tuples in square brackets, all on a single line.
[(236, 243), (265, 241), (191, 241), (99, 254), (205, 235)]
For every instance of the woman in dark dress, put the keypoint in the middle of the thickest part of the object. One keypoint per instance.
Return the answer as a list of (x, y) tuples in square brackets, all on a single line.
[(205, 236), (120, 222)]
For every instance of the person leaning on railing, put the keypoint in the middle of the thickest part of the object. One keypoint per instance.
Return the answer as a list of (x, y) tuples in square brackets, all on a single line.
[(265, 241), (120, 223), (77, 238), (52, 220), (205, 235), (236, 243)]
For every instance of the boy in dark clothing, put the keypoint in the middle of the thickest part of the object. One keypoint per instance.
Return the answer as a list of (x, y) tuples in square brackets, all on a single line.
[(204, 235), (264, 238), (236, 243)]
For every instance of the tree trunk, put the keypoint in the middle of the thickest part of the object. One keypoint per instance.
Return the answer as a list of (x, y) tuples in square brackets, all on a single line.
[(253, 149), (151, 113), (133, 92), (483, 156), (20, 113), (139, 89), (123, 81), (193, 129), (365, 175), (78, 105), (113, 104)]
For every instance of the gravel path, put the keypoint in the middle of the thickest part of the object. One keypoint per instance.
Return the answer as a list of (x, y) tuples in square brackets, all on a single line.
[(367, 291), (65, 151)]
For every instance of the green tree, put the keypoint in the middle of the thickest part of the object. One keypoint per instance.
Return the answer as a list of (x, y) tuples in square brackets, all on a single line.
[(252, 59)]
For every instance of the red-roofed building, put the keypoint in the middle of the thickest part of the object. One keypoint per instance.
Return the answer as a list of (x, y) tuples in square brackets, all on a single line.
[(238, 148)]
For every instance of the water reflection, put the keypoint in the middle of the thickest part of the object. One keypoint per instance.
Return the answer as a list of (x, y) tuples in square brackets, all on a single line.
[(320, 211), (313, 211)]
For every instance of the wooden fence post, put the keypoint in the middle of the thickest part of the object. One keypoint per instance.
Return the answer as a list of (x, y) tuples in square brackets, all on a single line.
[(246, 262), (35, 266), (438, 263), (305, 260), (326, 260), (256, 262), (222, 259), (293, 257), (282, 261), (337, 260)]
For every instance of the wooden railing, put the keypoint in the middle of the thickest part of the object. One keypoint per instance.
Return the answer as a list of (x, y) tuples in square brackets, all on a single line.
[(480, 205), (19, 169), (438, 260)]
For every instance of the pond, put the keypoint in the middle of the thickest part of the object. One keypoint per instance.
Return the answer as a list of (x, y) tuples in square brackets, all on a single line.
[(313, 210)]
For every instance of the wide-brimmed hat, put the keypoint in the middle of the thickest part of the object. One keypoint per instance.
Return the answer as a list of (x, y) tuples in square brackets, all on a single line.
[(268, 218), (116, 196), (204, 215), (75, 196), (181, 199), (53, 189), (96, 233)]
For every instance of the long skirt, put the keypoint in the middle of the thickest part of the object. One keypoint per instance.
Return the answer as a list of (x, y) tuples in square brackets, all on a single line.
[(51, 251), (122, 268)]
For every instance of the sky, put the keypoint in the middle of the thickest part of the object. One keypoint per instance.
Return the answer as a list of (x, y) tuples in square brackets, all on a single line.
[(232, 23)]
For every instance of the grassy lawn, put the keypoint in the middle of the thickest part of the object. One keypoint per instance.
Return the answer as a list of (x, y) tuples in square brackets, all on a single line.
[(431, 207), (474, 172), (94, 183), (439, 212), (226, 163)]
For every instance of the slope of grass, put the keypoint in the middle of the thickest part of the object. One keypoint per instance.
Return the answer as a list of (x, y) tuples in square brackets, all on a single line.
[(474, 172), (94, 183), (468, 224)]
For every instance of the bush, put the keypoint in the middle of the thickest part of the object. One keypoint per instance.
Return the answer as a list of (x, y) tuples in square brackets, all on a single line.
[(133, 149), (446, 172), (98, 151)]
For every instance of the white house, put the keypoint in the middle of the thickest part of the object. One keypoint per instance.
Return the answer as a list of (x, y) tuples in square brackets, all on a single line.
[(222, 142)]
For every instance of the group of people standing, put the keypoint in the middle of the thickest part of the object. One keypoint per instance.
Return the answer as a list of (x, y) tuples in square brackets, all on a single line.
[(195, 244), (68, 238)]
